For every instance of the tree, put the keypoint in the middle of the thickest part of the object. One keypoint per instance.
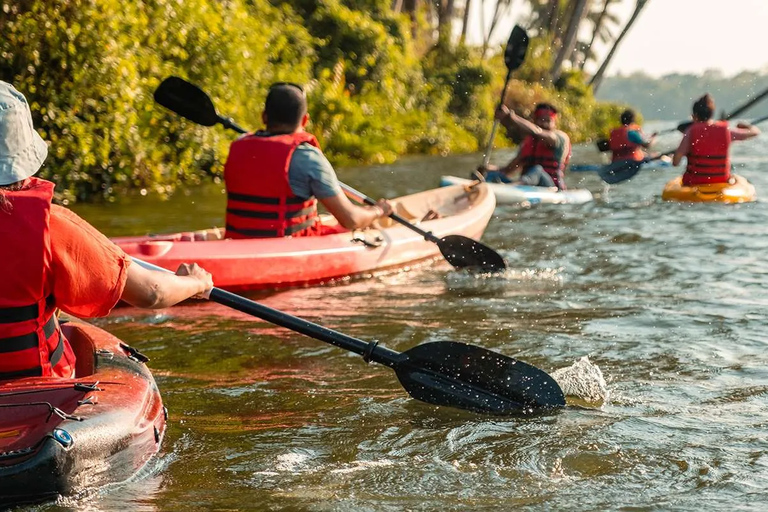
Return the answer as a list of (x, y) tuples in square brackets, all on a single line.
[(598, 78), (600, 31), (502, 7), (465, 21), (579, 13)]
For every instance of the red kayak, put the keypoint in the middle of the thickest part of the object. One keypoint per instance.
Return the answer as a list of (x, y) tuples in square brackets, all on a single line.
[(61, 436), (284, 262)]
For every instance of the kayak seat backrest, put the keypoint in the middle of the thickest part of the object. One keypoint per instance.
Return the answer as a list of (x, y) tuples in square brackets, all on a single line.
[(84, 347)]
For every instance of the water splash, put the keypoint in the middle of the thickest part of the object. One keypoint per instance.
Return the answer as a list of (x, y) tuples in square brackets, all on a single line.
[(583, 381)]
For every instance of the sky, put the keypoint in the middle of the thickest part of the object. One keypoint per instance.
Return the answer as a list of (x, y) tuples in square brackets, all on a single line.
[(683, 36)]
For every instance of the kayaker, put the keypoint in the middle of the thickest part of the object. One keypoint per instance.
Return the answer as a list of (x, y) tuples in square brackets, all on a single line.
[(706, 144), (543, 154), (53, 259), (628, 140), (275, 177)]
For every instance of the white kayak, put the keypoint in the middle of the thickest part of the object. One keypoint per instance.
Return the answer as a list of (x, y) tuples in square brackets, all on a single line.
[(507, 193)]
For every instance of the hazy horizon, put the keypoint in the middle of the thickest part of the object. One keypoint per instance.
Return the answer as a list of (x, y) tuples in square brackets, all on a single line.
[(667, 36)]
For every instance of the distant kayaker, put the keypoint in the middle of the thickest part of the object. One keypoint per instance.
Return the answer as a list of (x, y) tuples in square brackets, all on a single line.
[(543, 154), (275, 177), (53, 259), (628, 140), (706, 144)]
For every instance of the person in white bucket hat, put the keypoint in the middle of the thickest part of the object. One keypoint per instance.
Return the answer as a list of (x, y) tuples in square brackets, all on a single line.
[(53, 259)]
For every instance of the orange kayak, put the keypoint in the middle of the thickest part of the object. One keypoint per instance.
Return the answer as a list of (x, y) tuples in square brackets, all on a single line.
[(738, 191), (283, 262), (60, 436)]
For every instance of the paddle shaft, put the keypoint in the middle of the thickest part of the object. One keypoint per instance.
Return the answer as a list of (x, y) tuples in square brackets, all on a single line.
[(489, 147), (369, 350), (747, 105), (359, 196)]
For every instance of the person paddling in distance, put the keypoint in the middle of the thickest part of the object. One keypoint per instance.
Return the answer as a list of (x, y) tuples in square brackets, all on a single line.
[(706, 144), (55, 260), (275, 177), (628, 140), (543, 154)]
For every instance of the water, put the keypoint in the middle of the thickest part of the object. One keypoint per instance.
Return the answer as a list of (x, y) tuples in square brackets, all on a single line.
[(668, 300)]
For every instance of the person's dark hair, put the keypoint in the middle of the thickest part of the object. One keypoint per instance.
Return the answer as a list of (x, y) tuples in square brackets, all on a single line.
[(546, 106), (286, 104), (627, 117), (704, 108)]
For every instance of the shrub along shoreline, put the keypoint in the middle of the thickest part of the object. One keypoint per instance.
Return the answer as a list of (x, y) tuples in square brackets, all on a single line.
[(89, 68)]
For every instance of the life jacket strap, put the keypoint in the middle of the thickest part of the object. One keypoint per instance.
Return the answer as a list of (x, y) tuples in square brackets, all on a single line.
[(29, 341), (271, 233), (247, 198)]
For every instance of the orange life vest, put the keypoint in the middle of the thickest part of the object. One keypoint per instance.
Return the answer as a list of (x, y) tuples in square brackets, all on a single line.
[(622, 147), (535, 151), (708, 160), (31, 343), (260, 202)]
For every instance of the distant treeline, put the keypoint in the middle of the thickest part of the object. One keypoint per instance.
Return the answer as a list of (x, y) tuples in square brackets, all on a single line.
[(670, 97)]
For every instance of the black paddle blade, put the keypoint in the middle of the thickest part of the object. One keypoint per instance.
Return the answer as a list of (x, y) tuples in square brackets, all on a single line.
[(619, 171), (603, 145), (187, 100), (517, 46), (476, 379), (463, 252), (682, 127)]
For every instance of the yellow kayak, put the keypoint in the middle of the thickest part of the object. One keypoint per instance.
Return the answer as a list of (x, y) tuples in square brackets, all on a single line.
[(738, 191)]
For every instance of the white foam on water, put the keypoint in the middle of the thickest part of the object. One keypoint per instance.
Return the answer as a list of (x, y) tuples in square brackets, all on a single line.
[(583, 380), (362, 465)]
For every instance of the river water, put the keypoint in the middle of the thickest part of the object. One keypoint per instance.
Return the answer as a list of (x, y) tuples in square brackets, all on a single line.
[(667, 299)]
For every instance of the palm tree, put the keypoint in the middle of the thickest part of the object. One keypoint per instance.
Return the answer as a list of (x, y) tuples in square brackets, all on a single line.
[(578, 14), (465, 21), (600, 31), (598, 78), (502, 7)]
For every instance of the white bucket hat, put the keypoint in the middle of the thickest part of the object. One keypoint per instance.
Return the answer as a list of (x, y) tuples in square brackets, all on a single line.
[(22, 150)]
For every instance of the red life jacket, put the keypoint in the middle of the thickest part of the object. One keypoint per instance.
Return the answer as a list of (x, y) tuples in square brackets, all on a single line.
[(31, 343), (537, 152), (260, 202), (622, 147), (708, 160)]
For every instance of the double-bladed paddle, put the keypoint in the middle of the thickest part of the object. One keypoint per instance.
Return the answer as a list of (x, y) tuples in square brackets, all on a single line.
[(191, 102), (514, 56), (603, 144), (445, 373), (623, 170)]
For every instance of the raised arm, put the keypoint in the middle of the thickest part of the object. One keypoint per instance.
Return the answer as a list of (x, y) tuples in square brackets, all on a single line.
[(744, 131), (508, 118)]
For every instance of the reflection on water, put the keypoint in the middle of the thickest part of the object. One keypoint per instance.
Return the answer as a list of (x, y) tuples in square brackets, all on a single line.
[(667, 300)]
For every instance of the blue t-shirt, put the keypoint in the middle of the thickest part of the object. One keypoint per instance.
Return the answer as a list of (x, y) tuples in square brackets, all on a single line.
[(636, 137), (311, 174)]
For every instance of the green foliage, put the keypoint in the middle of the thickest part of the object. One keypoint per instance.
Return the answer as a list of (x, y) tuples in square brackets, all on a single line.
[(89, 67)]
